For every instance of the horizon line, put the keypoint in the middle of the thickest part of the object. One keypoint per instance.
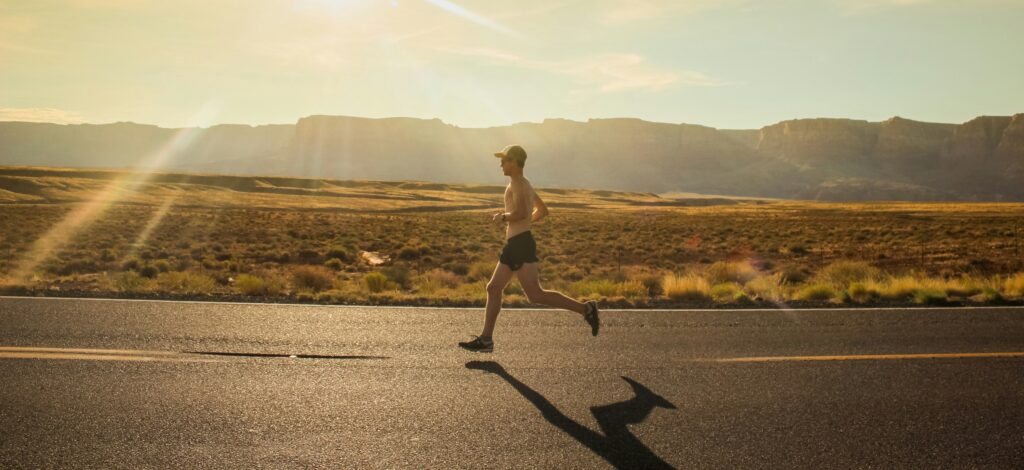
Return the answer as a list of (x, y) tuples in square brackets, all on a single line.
[(545, 120)]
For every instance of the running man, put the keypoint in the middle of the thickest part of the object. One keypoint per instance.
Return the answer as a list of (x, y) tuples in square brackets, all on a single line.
[(519, 256)]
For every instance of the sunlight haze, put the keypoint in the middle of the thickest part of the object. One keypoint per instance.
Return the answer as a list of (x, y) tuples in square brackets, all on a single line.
[(473, 63)]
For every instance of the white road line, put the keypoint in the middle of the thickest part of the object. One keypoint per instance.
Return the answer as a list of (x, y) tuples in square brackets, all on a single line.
[(865, 357)]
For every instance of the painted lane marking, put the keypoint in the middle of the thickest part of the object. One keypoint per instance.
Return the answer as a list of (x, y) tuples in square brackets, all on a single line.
[(865, 357), (32, 352), (82, 354), (85, 351)]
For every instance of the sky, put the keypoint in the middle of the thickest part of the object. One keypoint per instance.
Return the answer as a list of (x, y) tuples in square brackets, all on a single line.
[(733, 64)]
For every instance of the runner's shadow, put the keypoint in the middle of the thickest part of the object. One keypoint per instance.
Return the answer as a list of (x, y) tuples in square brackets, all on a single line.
[(617, 445)]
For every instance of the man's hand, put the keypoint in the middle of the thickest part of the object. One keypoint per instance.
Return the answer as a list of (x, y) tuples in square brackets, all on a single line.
[(497, 218)]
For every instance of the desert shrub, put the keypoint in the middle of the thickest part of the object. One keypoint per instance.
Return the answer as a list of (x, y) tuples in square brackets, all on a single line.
[(687, 287), (375, 281), (653, 285), (461, 269), (722, 272), (149, 271), (741, 298), (841, 273), (275, 284), (859, 292), (480, 271), (901, 287), (444, 278), (436, 279), (83, 265), (131, 264), (162, 265), (409, 252), (602, 287), (249, 284), (988, 295), (513, 288), (633, 290), (130, 281), (794, 274), (815, 292), (308, 255), (930, 296), (185, 283), (965, 286), (312, 278), (1014, 285), (334, 264), (725, 292), (399, 274), (340, 253), (767, 287), (183, 264)]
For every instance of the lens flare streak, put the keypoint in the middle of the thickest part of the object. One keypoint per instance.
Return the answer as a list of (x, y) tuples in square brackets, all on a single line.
[(91, 210)]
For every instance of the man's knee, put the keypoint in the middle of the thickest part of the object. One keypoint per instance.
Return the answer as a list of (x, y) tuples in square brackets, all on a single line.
[(494, 288)]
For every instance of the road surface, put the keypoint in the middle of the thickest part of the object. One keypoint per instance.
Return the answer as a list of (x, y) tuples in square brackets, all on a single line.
[(140, 384)]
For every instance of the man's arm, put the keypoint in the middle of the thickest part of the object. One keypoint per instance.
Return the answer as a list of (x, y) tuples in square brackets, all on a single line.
[(542, 209)]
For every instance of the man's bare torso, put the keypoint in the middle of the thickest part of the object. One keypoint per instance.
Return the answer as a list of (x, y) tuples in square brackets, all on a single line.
[(519, 193)]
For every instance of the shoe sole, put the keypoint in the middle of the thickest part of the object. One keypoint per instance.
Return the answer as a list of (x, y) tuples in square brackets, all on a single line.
[(596, 325)]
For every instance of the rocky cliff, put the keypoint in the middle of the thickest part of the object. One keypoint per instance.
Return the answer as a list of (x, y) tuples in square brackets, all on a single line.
[(833, 159)]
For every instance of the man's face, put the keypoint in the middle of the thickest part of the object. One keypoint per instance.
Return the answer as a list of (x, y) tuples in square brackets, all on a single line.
[(508, 165)]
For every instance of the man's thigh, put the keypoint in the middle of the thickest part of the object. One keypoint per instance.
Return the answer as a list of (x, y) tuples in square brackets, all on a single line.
[(501, 276), (529, 277)]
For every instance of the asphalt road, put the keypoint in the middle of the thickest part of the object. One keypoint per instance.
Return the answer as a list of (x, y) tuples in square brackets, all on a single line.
[(98, 383)]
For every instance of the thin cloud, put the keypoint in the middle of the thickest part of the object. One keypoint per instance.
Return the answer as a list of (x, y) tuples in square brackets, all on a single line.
[(52, 115), (605, 73), (630, 11), (858, 6)]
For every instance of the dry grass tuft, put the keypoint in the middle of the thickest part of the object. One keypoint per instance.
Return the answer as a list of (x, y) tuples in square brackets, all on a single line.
[(185, 283), (739, 272), (312, 278), (816, 292), (841, 274), (769, 287), (726, 292), (1014, 285), (689, 287)]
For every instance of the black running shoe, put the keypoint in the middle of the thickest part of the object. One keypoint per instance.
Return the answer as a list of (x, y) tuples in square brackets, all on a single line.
[(478, 345), (592, 317)]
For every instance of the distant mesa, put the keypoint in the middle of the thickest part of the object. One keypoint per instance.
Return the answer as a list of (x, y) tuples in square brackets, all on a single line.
[(825, 158)]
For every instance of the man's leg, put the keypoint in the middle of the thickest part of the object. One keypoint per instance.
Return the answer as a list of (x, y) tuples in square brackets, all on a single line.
[(502, 274), (529, 278)]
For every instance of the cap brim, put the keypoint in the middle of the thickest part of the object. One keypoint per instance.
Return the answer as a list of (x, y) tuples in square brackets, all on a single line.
[(499, 155)]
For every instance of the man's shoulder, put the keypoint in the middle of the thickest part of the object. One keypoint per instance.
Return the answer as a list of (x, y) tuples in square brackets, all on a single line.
[(521, 183)]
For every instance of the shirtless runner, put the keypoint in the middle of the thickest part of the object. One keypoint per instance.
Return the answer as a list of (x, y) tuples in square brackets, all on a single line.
[(519, 256)]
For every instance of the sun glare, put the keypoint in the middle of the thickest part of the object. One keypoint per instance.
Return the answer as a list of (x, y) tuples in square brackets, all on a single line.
[(455, 9), (120, 187)]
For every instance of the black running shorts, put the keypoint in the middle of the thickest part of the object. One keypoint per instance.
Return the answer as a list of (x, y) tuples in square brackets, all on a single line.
[(518, 250)]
